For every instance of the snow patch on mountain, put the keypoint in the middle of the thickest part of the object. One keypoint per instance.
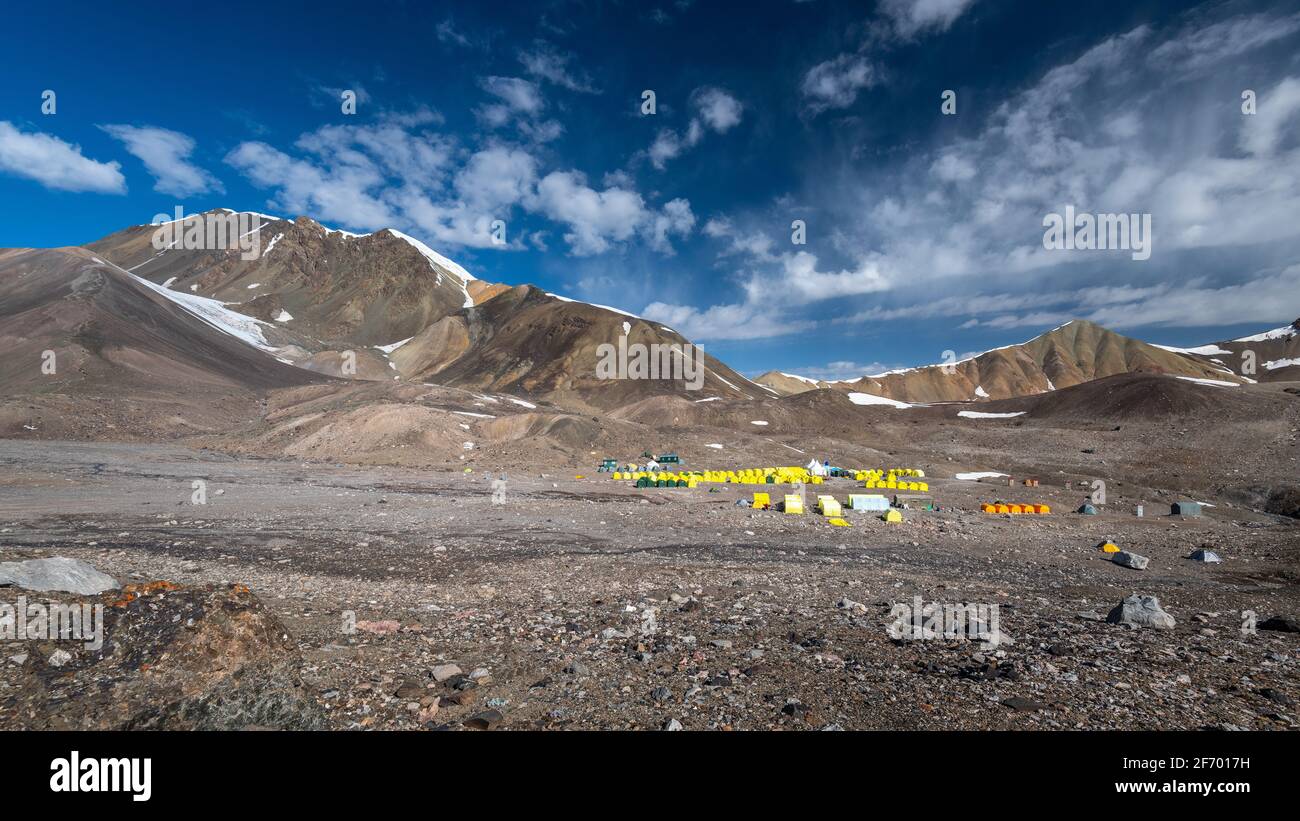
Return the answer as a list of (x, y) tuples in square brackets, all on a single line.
[(1213, 382), (214, 313), (872, 399)]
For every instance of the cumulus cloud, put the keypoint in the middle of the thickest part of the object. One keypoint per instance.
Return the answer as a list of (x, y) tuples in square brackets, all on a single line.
[(383, 175), (1109, 130), (165, 155), (836, 83), (718, 109), (1262, 134), (911, 17), (520, 102), (599, 220), (739, 321), (715, 110), (56, 164)]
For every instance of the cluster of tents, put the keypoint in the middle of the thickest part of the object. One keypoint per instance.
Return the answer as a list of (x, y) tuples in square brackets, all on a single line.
[(1002, 507)]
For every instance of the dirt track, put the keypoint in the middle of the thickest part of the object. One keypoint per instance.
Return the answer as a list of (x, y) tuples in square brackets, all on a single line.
[(549, 593)]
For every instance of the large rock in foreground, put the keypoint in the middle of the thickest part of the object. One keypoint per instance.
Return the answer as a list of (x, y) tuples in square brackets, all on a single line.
[(1141, 611), (58, 574), (173, 658)]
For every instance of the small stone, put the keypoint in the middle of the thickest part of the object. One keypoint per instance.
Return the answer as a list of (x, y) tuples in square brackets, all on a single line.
[(59, 658), (673, 726), (1281, 624), (1276, 696), (409, 689), (445, 671), (486, 720)]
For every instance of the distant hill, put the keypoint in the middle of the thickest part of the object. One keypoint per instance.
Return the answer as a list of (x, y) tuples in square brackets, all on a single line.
[(1076, 352)]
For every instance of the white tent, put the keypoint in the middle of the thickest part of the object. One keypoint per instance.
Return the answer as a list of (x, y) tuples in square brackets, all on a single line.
[(816, 468)]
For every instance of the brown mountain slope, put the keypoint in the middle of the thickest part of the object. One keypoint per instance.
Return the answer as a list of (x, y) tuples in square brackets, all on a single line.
[(530, 343), (1275, 354), (121, 351), (1145, 396), (1076, 352), (341, 288), (407, 312)]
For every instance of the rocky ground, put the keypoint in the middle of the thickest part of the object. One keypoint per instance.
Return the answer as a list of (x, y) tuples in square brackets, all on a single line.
[(410, 600)]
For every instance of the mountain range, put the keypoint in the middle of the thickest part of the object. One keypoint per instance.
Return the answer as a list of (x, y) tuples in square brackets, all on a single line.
[(318, 304)]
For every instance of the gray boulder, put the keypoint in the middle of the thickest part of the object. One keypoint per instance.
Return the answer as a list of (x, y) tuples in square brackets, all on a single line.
[(1141, 611), (59, 574), (1133, 560)]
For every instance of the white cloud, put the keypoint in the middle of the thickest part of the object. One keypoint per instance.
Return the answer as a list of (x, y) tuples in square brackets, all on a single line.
[(596, 219), (516, 93), (716, 110), (332, 194), (675, 219), (719, 110), (56, 164), (599, 220), (911, 17), (1277, 107), (383, 175), (740, 321), (951, 167), (447, 32), (1200, 47), (165, 155), (836, 83), (521, 103), (496, 177), (544, 62)]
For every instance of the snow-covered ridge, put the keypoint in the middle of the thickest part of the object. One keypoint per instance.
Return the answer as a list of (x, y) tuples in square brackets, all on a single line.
[(1277, 333), (805, 379), (1203, 350), (592, 304), (435, 257), (438, 262)]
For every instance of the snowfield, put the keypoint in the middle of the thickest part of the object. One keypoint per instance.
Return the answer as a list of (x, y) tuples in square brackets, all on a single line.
[(872, 399), (244, 328), (1212, 382)]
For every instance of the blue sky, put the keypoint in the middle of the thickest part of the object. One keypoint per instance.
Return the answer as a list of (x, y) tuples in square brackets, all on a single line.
[(923, 230)]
